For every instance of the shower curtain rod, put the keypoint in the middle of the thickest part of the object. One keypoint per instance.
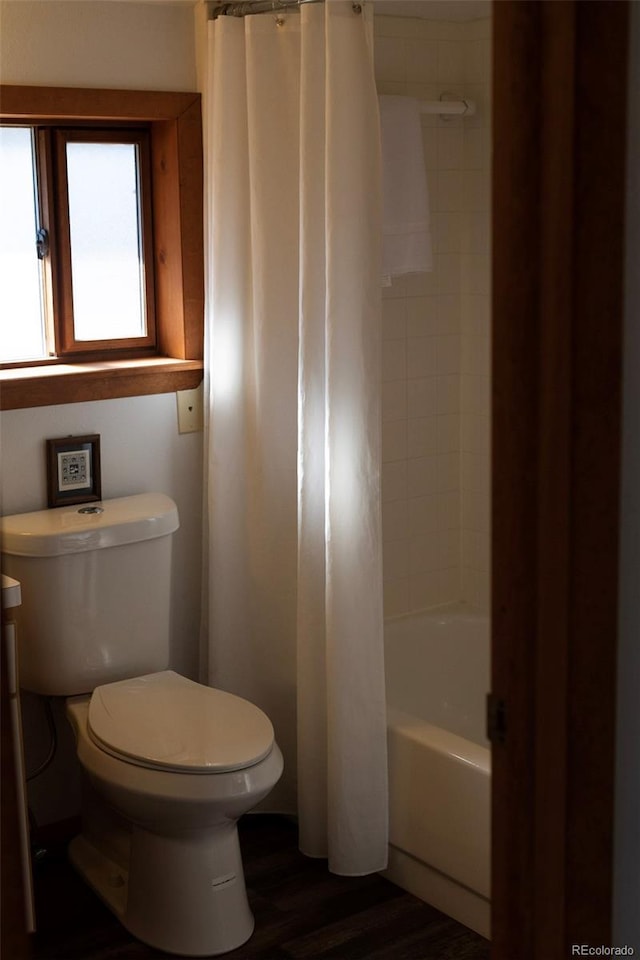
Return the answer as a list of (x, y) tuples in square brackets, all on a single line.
[(242, 8)]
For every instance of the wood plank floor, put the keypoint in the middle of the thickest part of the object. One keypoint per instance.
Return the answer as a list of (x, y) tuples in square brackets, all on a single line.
[(301, 912)]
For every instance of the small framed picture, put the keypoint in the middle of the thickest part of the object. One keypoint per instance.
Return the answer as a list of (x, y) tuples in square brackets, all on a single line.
[(73, 470)]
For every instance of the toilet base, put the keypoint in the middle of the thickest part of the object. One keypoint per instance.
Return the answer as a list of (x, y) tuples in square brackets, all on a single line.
[(105, 877), (184, 895), (161, 848)]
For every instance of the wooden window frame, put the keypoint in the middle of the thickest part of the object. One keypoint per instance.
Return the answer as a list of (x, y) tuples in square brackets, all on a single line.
[(65, 337), (175, 124)]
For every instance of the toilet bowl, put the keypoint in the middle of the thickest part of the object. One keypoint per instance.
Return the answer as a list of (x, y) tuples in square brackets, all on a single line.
[(159, 842), (169, 764)]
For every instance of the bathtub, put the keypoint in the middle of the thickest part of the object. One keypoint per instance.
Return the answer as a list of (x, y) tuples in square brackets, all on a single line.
[(437, 666)]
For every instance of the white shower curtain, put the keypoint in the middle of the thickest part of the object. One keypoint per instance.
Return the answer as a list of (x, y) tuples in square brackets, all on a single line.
[(293, 593)]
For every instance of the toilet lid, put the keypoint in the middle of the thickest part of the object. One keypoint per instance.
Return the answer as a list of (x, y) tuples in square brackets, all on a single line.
[(165, 720)]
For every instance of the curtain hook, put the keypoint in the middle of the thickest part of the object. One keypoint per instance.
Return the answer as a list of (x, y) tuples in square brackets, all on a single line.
[(356, 7), (278, 16)]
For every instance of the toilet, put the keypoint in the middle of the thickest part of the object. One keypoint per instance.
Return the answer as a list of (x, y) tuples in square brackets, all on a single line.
[(169, 764)]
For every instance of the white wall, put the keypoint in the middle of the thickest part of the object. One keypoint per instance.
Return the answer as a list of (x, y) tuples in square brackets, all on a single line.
[(436, 332), (141, 451), (626, 913), (130, 46), (84, 43)]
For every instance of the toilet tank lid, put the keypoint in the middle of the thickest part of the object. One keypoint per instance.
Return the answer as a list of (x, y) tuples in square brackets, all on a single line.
[(110, 523)]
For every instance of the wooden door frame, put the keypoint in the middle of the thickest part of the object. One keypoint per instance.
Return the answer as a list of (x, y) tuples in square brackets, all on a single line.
[(14, 941), (559, 101)]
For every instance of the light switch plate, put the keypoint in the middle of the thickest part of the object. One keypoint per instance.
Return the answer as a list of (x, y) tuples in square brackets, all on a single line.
[(190, 410)]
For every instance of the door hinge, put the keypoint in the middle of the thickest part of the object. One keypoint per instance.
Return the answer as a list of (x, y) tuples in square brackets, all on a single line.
[(496, 718)]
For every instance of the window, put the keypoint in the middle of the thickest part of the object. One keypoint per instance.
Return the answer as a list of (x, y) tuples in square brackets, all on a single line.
[(80, 277), (101, 252)]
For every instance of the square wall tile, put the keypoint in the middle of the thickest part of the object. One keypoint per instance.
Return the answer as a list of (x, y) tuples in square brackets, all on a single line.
[(449, 313), (476, 315), (423, 554), (447, 472), (476, 511), (424, 284), (475, 190), (396, 560), (450, 148), (394, 440), (434, 588), (390, 58), (422, 476), (395, 520), (423, 515), (477, 60), (467, 359), (448, 509), (422, 395), (449, 188), (448, 394), (448, 433), (394, 481), (449, 548), (389, 26), (422, 358), (440, 550), (476, 274), (478, 29), (476, 235), (394, 400), (447, 231), (447, 350), (474, 433), (396, 597), (479, 347), (422, 436), (394, 319), (474, 151), (422, 316), (451, 62), (476, 588), (421, 60), (476, 395), (429, 147), (449, 265), (475, 471), (392, 88), (394, 360), (475, 549)]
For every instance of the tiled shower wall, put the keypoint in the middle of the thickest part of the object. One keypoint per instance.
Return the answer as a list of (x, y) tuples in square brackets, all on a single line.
[(436, 375)]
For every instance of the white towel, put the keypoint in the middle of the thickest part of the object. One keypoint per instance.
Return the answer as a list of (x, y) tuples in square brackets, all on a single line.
[(406, 239)]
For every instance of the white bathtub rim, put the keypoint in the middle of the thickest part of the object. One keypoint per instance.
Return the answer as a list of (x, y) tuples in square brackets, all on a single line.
[(459, 610), (460, 749)]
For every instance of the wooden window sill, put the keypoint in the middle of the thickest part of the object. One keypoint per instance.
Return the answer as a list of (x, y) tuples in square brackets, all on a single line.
[(100, 380), (175, 124)]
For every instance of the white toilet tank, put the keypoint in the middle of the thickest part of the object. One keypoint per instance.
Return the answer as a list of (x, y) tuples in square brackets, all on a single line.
[(96, 591)]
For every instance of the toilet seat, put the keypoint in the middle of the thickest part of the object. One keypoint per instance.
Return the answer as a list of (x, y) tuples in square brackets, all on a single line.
[(166, 721)]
